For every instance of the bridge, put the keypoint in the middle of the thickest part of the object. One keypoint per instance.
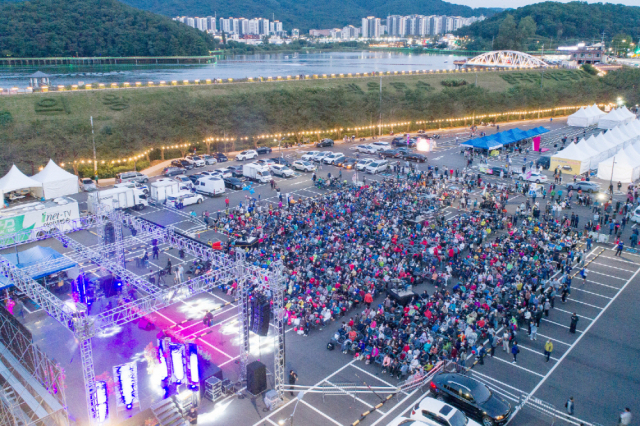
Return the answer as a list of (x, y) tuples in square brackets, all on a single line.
[(505, 59)]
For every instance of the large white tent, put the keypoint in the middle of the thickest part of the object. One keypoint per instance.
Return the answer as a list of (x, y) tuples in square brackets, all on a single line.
[(629, 114), (606, 145), (592, 156), (56, 182), (596, 113), (622, 167), (613, 119), (602, 152), (571, 160), (580, 118), (619, 137), (15, 180)]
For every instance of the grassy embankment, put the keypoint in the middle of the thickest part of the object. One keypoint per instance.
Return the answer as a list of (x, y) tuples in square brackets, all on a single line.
[(34, 128)]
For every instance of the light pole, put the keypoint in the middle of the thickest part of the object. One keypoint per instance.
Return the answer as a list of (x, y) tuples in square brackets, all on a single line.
[(611, 179), (95, 161)]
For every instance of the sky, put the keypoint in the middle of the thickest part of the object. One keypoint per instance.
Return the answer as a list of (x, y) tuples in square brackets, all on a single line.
[(517, 3)]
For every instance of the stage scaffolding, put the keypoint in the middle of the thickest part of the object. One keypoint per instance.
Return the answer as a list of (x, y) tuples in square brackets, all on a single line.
[(109, 255)]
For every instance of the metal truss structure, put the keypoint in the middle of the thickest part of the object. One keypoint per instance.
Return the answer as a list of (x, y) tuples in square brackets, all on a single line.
[(84, 326), (506, 59)]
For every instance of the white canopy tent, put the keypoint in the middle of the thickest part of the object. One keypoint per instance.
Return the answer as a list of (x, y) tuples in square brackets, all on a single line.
[(592, 156), (606, 145), (596, 113), (571, 160), (636, 125), (602, 152), (629, 132), (622, 167), (628, 113), (15, 180), (619, 137), (56, 182), (580, 118), (613, 119)]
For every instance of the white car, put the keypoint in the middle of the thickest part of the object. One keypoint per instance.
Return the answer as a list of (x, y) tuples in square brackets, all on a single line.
[(380, 146), (366, 149), (304, 166), (186, 198), (362, 164), (333, 158), (433, 412), (266, 162), (533, 177), (279, 170), (398, 421), (249, 154), (307, 156), (224, 172), (184, 181), (209, 159), (87, 184), (320, 156), (636, 215), (195, 160), (377, 167)]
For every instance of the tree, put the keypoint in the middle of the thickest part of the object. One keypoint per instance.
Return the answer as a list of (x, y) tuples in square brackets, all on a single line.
[(526, 30), (507, 35), (621, 44)]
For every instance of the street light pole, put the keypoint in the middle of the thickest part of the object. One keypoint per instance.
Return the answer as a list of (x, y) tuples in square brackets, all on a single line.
[(611, 179), (95, 161)]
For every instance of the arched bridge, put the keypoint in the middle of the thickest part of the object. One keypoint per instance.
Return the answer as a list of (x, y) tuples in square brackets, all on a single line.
[(506, 59)]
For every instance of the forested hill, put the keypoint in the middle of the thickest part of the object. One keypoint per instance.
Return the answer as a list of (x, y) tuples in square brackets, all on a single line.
[(558, 22), (45, 28), (307, 14)]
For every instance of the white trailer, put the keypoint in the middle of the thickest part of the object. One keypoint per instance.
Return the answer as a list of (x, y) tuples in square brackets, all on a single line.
[(162, 188), (256, 172), (35, 215), (119, 198)]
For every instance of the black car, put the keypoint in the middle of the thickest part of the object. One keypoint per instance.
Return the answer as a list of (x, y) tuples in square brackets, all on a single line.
[(263, 150), (325, 142), (472, 397), (391, 153), (233, 183), (282, 161), (347, 162), (414, 156), (182, 163), (220, 157), (545, 162), (497, 169), (402, 141), (236, 171), (194, 178)]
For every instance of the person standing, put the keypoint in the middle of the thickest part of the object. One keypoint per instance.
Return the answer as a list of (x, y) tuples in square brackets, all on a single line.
[(156, 251), (570, 406), (514, 351), (293, 377), (533, 334), (548, 348), (574, 323), (619, 248), (505, 341), (625, 417)]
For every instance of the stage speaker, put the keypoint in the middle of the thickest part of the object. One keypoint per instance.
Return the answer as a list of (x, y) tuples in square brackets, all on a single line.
[(265, 315), (260, 316), (145, 325), (256, 378)]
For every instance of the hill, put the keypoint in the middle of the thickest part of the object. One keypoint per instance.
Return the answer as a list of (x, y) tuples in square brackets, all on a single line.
[(307, 14), (556, 22), (45, 28)]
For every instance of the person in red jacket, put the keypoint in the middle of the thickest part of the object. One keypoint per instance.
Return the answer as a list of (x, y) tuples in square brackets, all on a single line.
[(368, 299)]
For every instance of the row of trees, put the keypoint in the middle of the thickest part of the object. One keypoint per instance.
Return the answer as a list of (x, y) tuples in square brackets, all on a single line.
[(175, 116)]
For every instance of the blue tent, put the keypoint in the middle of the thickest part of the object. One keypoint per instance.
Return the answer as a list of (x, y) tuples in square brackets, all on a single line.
[(485, 142), (34, 256), (517, 134), (537, 131), (504, 138)]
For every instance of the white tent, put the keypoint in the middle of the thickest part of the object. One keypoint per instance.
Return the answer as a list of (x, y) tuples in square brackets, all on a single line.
[(636, 125), (16, 180), (613, 119), (605, 145), (571, 160), (629, 131), (625, 169), (601, 150), (56, 182), (596, 113), (628, 113), (580, 118), (592, 156), (619, 137)]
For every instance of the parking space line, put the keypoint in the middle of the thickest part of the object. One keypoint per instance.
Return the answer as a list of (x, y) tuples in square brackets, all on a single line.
[(534, 351), (571, 313), (590, 292), (399, 404), (356, 398), (618, 259), (612, 267), (607, 275), (496, 380), (603, 285), (517, 366), (320, 412), (557, 323), (271, 421), (214, 348), (375, 377), (584, 303)]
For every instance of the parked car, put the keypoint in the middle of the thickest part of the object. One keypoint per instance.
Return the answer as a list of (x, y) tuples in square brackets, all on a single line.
[(434, 412), (197, 161), (182, 163), (282, 171), (332, 158), (307, 156), (194, 177), (249, 154), (366, 149), (210, 185), (304, 166), (185, 198), (347, 163), (224, 172), (263, 150), (495, 170), (209, 159), (320, 156), (377, 166), (361, 164), (87, 184), (636, 215), (402, 141), (472, 397), (380, 145), (131, 177), (265, 162), (172, 171), (391, 153), (325, 142), (282, 161), (414, 156), (532, 177), (233, 183), (220, 157), (584, 185), (236, 171), (403, 421), (184, 181)]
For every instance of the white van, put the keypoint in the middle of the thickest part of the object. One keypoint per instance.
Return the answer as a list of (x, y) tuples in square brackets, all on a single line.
[(636, 215), (210, 185), (377, 167)]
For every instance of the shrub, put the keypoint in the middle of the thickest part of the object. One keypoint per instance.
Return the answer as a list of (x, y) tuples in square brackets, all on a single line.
[(453, 83), (5, 118), (589, 69)]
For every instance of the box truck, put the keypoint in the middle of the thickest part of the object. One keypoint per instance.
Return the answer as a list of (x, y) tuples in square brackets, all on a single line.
[(256, 172), (162, 188), (31, 216), (119, 198)]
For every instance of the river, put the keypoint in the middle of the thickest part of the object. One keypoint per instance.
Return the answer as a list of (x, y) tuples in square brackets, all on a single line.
[(234, 66)]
